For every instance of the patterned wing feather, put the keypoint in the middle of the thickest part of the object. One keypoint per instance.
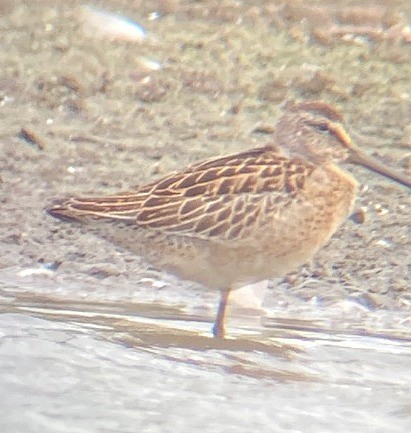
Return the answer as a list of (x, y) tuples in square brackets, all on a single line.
[(219, 198)]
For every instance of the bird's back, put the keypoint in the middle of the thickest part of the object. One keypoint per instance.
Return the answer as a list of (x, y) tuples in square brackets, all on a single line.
[(246, 216)]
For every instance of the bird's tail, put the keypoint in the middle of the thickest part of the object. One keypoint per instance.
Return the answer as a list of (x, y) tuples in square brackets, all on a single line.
[(120, 207)]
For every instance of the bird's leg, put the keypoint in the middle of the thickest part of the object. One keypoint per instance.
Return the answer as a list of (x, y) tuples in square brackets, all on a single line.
[(219, 324)]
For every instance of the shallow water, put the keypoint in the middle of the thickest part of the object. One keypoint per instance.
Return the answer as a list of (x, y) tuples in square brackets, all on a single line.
[(93, 339), (87, 365)]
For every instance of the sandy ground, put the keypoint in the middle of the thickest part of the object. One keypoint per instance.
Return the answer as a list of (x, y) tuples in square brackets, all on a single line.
[(100, 121), (83, 114)]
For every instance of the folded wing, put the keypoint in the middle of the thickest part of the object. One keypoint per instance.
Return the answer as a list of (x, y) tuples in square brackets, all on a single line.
[(220, 198)]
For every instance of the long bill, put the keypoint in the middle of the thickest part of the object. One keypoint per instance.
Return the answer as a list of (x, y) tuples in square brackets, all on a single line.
[(357, 156), (360, 158)]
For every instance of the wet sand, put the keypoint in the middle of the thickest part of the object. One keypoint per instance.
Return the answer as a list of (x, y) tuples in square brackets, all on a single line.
[(93, 338)]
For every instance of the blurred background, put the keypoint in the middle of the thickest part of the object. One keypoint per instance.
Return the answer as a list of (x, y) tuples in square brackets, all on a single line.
[(97, 97)]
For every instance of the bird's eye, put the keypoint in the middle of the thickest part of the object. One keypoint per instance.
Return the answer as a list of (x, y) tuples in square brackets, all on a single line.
[(323, 127)]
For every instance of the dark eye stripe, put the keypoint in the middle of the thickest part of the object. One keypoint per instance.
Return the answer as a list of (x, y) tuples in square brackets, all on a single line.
[(322, 127), (319, 125)]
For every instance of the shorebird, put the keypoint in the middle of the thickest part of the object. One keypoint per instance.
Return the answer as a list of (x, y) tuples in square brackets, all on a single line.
[(241, 218)]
